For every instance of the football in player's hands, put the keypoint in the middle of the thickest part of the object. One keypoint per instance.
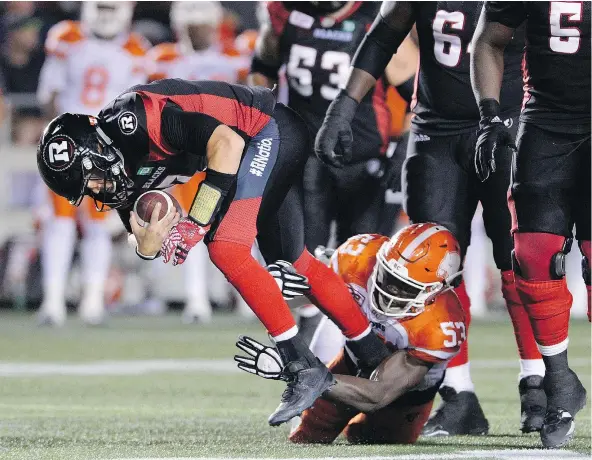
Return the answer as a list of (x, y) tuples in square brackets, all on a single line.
[(144, 205)]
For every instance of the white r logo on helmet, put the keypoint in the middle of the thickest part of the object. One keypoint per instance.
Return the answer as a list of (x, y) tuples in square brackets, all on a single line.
[(128, 123)]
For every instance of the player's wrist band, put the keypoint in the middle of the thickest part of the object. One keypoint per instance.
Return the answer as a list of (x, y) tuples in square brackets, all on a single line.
[(489, 108), (378, 47), (142, 256), (209, 196), (258, 66)]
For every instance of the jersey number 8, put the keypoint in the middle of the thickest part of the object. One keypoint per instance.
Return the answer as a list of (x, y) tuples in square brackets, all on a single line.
[(302, 60)]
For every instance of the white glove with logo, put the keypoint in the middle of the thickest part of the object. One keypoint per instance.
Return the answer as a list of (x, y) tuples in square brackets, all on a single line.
[(291, 283), (263, 361)]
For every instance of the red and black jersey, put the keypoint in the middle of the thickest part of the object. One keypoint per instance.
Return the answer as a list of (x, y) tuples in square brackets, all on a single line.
[(444, 102), (557, 58), (162, 128), (317, 52)]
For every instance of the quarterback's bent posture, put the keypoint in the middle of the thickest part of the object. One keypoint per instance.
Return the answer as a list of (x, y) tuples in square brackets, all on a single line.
[(402, 285), (253, 152)]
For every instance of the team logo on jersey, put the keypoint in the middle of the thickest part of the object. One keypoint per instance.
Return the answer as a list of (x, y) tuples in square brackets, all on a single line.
[(508, 123), (59, 153), (301, 20), (144, 171), (128, 123)]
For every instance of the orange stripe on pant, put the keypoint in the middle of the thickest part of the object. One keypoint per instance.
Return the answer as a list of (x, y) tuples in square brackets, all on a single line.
[(185, 193)]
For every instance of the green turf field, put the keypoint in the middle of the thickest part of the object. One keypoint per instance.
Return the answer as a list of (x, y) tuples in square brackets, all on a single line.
[(153, 388)]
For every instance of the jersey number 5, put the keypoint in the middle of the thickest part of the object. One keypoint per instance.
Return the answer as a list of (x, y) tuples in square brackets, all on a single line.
[(565, 40), (455, 331), (302, 60)]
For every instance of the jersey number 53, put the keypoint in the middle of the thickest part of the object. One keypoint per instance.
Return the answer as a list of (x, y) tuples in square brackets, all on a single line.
[(455, 331)]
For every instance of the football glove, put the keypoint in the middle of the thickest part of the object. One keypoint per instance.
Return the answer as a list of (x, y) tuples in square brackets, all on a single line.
[(493, 139), (333, 144), (263, 361), (181, 239), (291, 283)]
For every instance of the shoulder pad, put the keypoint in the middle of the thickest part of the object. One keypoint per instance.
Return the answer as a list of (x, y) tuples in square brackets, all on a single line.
[(63, 35), (437, 333), (164, 52), (136, 45), (355, 259)]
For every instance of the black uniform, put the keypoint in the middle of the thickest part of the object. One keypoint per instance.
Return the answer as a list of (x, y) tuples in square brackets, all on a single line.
[(317, 52), (551, 173), (173, 120), (439, 180)]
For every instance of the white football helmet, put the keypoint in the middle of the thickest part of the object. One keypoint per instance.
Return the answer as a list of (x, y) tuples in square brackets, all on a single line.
[(186, 14), (106, 19)]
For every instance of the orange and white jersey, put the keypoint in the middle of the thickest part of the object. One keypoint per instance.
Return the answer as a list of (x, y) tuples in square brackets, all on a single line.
[(86, 72), (170, 60), (433, 336)]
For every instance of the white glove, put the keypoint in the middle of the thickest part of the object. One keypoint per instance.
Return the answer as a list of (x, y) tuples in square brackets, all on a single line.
[(263, 361), (291, 283)]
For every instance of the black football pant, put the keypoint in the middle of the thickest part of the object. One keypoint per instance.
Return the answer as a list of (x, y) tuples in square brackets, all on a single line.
[(351, 196), (440, 185)]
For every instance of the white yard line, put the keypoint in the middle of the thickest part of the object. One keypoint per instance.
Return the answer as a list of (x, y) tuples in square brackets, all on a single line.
[(515, 454), (139, 367)]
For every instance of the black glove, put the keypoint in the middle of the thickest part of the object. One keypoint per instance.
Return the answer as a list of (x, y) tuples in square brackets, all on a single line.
[(493, 139), (370, 351), (333, 144), (291, 283)]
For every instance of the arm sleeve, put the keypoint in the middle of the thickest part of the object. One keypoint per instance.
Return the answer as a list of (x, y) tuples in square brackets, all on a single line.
[(187, 131), (509, 14)]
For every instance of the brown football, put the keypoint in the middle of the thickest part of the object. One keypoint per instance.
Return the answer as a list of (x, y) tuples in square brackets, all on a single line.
[(146, 202)]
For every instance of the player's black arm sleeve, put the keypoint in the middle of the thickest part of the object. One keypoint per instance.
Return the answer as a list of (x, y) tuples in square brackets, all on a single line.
[(187, 131), (391, 26), (266, 61), (395, 376), (494, 31)]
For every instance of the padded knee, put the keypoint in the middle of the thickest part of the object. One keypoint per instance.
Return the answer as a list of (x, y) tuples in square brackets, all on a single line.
[(540, 256), (229, 257)]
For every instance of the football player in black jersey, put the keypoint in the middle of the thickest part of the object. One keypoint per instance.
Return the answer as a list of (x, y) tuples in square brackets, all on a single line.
[(316, 41), (439, 181), (550, 190), (253, 152)]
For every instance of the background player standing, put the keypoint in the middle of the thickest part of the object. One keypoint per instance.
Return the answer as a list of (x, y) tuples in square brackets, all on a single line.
[(439, 181), (88, 63), (550, 190), (316, 41)]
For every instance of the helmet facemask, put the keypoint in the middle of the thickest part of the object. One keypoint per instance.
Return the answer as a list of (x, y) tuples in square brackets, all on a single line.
[(396, 295), (106, 164)]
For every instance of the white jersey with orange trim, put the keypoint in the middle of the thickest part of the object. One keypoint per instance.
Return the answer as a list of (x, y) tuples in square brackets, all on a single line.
[(170, 60), (87, 72), (433, 336)]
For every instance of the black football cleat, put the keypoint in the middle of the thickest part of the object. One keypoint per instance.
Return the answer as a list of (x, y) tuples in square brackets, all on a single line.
[(306, 383), (533, 403), (566, 396), (458, 414)]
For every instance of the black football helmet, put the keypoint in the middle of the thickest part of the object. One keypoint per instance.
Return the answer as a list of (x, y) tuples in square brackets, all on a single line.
[(72, 150)]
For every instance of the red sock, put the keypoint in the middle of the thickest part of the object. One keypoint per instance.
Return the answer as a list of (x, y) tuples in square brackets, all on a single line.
[(548, 304), (254, 283), (331, 295), (465, 302), (527, 346)]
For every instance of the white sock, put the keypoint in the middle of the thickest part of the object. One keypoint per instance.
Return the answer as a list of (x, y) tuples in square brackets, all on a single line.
[(286, 335), (59, 237), (327, 340), (459, 378), (95, 254), (531, 367)]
